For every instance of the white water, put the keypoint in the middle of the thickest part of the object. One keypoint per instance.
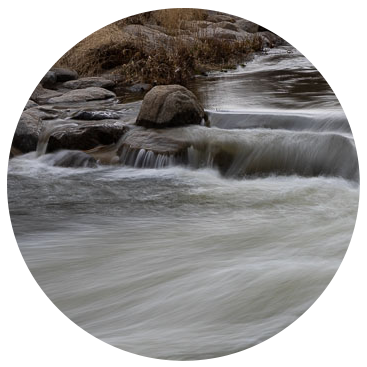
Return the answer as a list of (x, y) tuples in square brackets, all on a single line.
[(182, 262)]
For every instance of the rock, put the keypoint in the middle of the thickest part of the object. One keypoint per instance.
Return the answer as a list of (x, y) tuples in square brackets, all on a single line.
[(43, 113), (169, 106), (86, 136), (216, 18), (30, 104), (213, 31), (71, 158), (83, 95), (157, 141), (63, 74), (247, 26), (49, 80), (227, 25), (95, 115), (27, 133), (270, 39), (42, 95), (89, 82), (14, 152), (140, 88), (152, 148)]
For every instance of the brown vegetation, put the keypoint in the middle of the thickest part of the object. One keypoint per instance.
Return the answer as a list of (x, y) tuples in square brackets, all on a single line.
[(177, 47)]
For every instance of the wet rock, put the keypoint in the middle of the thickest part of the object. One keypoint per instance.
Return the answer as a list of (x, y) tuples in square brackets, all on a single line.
[(43, 113), (42, 95), (49, 80), (169, 106), (95, 115), (83, 95), (89, 82), (30, 104), (86, 136), (247, 26), (151, 148), (63, 74), (14, 152), (27, 133), (158, 141), (72, 158)]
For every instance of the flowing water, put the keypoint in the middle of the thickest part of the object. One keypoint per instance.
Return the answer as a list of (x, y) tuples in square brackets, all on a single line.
[(211, 252)]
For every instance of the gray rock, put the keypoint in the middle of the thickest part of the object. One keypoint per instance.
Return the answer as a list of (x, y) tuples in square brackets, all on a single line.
[(83, 95), (216, 18), (49, 80), (140, 88), (93, 81), (86, 136), (42, 95), (63, 74), (270, 39), (159, 141), (30, 104), (247, 26), (43, 113), (169, 106), (227, 25), (27, 133), (95, 115)]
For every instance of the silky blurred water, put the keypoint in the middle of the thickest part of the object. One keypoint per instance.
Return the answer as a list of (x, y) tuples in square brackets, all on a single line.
[(184, 262)]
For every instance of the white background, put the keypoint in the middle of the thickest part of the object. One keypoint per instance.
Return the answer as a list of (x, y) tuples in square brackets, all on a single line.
[(34, 34)]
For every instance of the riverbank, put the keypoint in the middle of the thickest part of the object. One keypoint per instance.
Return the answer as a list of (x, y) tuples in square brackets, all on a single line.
[(168, 46)]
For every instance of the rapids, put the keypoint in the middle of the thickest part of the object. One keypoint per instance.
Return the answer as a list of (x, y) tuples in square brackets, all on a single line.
[(210, 251)]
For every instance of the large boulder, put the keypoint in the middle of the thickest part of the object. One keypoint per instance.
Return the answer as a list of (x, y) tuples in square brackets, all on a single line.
[(169, 106), (93, 81), (63, 74), (83, 95)]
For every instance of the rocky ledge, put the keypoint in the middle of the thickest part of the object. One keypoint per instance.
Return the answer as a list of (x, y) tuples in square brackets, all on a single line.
[(91, 121)]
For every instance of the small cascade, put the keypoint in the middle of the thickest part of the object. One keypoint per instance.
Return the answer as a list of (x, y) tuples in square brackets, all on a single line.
[(141, 158), (243, 153), (48, 129)]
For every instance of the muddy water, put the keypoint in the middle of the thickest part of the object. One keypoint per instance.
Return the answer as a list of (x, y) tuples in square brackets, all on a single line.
[(187, 260)]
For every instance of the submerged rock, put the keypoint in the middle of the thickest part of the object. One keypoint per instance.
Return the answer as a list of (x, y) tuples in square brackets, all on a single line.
[(83, 95), (169, 106), (87, 82)]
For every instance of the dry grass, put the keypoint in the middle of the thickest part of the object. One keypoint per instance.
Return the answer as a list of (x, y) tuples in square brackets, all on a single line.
[(111, 50)]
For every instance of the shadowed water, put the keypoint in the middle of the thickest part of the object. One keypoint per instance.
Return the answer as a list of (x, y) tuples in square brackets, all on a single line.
[(212, 252)]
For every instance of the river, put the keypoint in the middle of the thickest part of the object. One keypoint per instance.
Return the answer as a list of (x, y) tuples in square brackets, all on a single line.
[(195, 260)]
